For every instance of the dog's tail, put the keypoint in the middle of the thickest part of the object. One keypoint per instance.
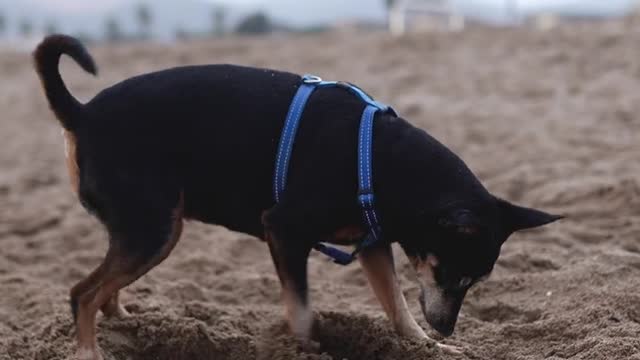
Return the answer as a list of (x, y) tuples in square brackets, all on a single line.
[(46, 59)]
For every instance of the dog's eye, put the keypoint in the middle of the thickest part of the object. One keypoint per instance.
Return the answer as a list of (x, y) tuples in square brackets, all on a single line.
[(464, 282)]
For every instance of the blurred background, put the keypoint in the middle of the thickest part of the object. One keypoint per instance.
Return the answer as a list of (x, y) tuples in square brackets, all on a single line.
[(24, 22), (540, 98)]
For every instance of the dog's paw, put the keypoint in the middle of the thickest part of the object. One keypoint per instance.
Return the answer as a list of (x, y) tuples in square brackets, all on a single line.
[(418, 333), (449, 349), (116, 311), (411, 331), (121, 313), (88, 354)]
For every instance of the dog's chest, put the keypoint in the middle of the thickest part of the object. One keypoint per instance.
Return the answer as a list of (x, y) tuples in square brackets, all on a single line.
[(347, 235)]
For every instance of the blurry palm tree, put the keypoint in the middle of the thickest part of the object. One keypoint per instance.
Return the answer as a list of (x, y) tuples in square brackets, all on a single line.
[(3, 24), (112, 30), (51, 28), (143, 14), (218, 17), (181, 34), (256, 23), (25, 28)]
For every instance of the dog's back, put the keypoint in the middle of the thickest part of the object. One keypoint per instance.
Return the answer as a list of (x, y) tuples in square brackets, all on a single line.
[(211, 131), (213, 128)]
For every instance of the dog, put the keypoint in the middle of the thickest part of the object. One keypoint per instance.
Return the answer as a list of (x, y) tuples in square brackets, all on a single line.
[(199, 142)]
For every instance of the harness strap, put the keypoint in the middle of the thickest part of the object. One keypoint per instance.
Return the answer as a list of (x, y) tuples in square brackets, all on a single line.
[(288, 136), (365, 172)]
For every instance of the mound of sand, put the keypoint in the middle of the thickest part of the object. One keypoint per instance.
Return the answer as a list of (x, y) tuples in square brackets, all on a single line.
[(549, 120)]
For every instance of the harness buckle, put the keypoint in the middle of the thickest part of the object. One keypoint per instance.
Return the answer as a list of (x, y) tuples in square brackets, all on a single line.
[(339, 257)]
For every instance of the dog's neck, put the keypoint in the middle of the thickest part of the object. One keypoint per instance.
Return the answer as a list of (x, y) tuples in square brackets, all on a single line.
[(415, 172)]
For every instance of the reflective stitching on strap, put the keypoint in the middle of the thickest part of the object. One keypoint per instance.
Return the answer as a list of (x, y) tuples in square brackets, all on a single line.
[(365, 187), (293, 126), (288, 135), (360, 155), (287, 140)]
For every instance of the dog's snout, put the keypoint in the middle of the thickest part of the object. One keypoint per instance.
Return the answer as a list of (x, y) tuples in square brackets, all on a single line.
[(442, 324), (440, 311)]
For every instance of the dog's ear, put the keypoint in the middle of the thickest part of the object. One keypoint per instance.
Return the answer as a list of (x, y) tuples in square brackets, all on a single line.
[(516, 217), (461, 221)]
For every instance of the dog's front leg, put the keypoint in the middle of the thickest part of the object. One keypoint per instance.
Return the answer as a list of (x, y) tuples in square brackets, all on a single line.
[(378, 265), (290, 259)]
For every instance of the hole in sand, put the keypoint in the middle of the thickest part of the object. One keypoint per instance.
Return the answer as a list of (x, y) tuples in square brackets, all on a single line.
[(336, 336)]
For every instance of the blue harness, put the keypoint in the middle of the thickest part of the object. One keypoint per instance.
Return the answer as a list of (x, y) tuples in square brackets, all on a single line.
[(365, 187)]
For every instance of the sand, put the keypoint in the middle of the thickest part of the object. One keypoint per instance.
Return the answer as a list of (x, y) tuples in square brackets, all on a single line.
[(550, 120)]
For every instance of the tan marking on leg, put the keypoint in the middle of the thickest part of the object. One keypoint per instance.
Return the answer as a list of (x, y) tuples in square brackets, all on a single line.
[(87, 283), (119, 271), (88, 307), (299, 316), (379, 268), (71, 159)]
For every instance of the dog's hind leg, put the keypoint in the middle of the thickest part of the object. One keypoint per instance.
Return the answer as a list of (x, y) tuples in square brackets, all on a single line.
[(132, 253), (84, 286), (379, 268), (112, 308)]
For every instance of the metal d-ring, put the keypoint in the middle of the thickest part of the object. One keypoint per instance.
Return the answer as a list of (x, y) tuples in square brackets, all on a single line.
[(311, 79)]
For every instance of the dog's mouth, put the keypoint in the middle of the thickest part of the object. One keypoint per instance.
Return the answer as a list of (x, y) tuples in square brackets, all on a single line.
[(441, 308)]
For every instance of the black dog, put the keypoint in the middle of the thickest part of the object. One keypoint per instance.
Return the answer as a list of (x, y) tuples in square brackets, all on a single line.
[(199, 143)]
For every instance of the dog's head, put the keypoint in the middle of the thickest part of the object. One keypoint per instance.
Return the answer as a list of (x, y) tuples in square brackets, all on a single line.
[(458, 246)]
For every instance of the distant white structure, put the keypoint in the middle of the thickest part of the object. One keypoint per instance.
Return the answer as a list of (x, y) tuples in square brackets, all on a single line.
[(443, 9), (545, 21)]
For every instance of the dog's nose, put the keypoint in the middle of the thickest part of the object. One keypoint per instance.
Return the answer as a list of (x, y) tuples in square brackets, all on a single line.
[(444, 328)]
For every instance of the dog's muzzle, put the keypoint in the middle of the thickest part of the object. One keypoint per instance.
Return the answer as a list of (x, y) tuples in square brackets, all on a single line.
[(441, 308)]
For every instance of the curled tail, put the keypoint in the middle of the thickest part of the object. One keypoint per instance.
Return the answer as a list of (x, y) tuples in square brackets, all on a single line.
[(46, 59)]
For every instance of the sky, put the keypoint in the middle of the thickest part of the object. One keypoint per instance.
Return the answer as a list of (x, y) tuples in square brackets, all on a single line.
[(79, 5), (99, 5), (594, 5), (88, 17)]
